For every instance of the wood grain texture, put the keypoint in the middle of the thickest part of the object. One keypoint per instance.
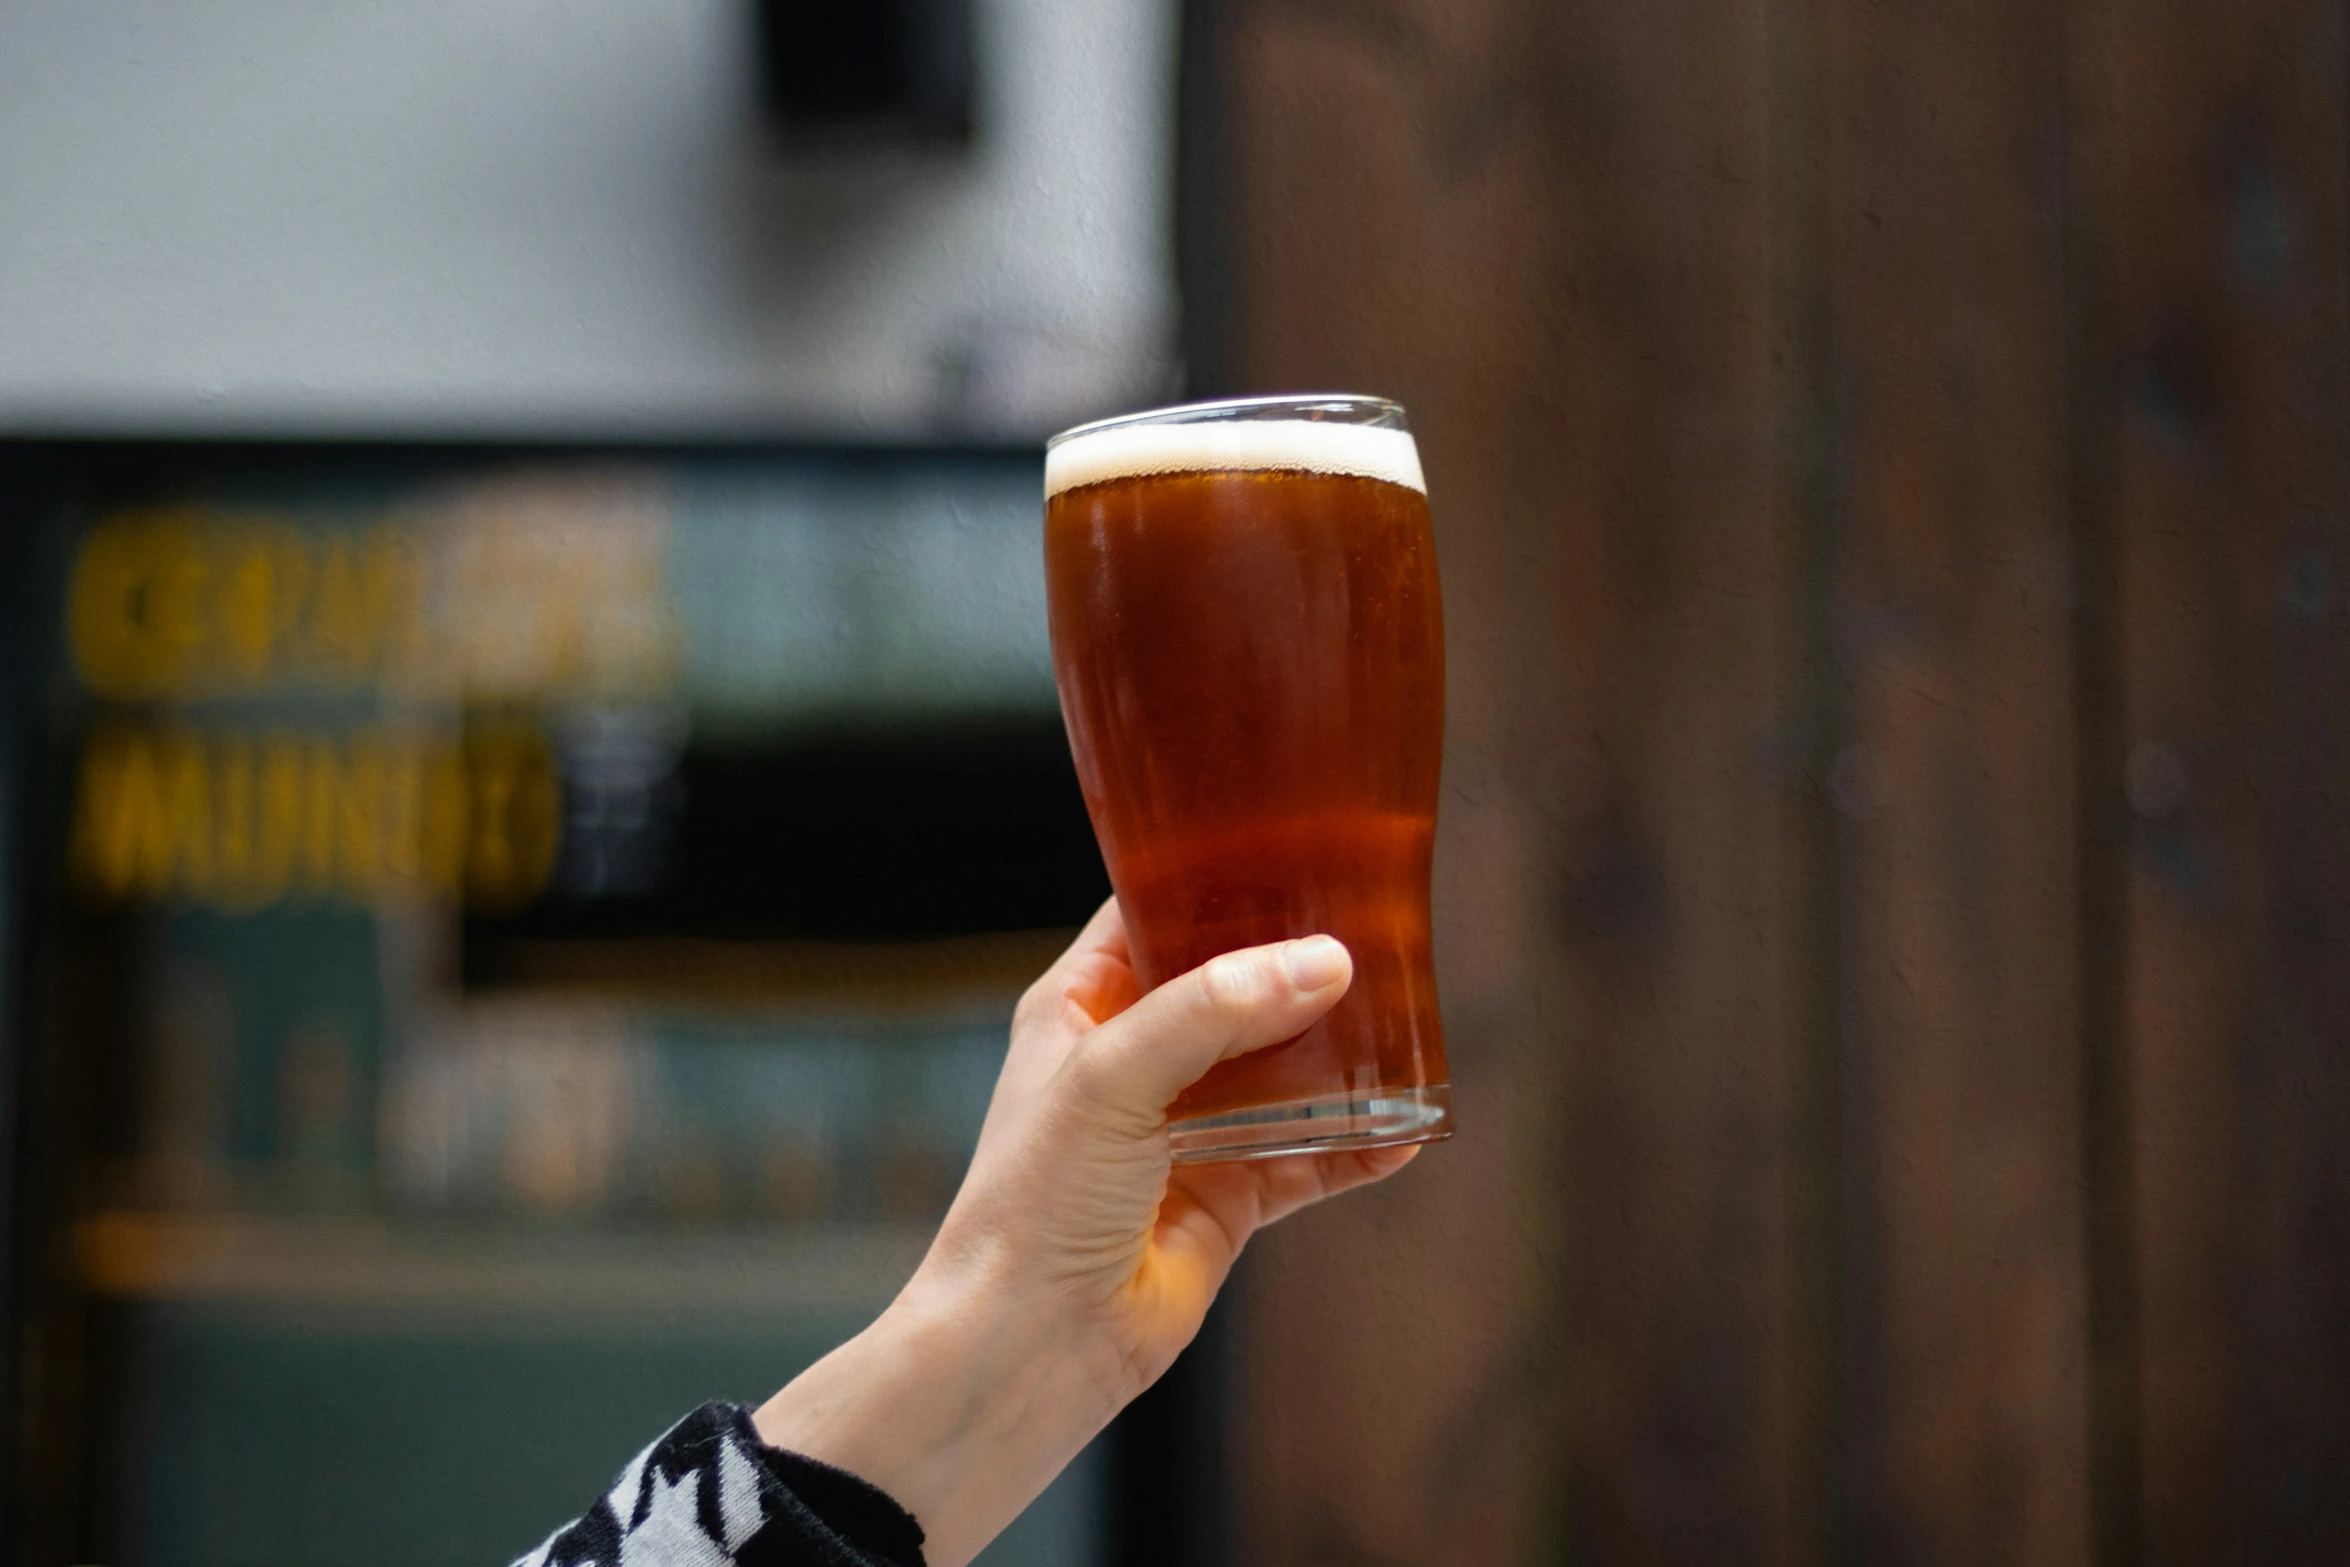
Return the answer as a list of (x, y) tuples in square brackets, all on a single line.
[(1895, 874), (2222, 139), (1392, 1356), (1965, 1357), (1573, 1343)]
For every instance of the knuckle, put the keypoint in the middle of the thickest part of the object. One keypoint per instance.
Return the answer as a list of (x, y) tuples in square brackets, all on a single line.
[(1234, 983), (1223, 984), (1031, 1002), (1045, 1002)]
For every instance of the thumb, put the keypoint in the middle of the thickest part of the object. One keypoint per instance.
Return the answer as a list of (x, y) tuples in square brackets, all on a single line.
[(1136, 1063)]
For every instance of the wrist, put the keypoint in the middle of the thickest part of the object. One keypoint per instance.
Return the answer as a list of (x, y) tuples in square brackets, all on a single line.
[(961, 1401)]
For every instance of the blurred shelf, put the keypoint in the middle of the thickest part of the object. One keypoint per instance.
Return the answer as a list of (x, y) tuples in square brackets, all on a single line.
[(420, 1264)]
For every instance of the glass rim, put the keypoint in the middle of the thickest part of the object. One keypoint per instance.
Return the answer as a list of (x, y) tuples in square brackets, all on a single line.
[(1383, 411)]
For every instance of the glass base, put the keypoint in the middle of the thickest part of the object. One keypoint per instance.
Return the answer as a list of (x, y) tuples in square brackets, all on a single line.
[(1330, 1123)]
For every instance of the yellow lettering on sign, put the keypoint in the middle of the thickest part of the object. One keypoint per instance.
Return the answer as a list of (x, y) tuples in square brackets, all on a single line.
[(361, 587), (343, 841), (265, 575), (239, 821), (136, 605), (257, 813), (144, 821), (517, 816), (184, 602)]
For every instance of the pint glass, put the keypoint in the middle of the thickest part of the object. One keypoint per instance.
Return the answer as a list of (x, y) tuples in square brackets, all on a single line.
[(1250, 653)]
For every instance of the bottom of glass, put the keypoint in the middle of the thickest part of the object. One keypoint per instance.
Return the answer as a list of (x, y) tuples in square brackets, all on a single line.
[(1328, 1123)]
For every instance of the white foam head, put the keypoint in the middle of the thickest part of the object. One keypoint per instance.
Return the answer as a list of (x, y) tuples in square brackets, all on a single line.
[(1126, 451)]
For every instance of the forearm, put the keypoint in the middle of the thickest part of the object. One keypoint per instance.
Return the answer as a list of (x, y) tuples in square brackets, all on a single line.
[(958, 1402), (1076, 1263)]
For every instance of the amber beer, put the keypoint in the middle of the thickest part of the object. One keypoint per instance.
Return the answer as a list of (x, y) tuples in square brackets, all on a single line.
[(1249, 646)]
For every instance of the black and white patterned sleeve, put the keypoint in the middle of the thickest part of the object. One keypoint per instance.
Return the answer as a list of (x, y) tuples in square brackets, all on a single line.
[(711, 1494)]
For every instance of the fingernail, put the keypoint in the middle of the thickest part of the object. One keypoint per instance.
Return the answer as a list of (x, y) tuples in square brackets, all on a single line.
[(1314, 962)]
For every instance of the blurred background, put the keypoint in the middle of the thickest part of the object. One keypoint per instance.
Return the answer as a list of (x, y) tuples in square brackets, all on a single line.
[(531, 777)]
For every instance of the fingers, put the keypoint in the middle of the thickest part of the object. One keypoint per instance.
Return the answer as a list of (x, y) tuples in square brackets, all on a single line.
[(1102, 940), (1211, 1210), (1104, 933), (1248, 1196), (1094, 972), (1326, 1175), (1138, 1062)]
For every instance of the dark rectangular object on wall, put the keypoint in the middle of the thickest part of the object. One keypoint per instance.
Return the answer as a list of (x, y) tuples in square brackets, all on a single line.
[(894, 70)]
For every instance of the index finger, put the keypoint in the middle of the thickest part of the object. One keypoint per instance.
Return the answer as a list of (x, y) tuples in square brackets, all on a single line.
[(1097, 969)]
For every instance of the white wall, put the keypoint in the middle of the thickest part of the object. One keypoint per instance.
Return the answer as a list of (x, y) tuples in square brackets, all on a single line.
[(560, 217)]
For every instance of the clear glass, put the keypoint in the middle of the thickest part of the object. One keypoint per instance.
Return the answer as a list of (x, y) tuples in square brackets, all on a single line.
[(1248, 640)]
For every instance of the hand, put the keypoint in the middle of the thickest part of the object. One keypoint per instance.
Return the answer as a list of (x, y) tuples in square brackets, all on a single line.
[(1077, 1260)]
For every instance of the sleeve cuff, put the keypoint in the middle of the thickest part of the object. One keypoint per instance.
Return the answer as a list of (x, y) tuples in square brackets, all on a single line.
[(858, 1514)]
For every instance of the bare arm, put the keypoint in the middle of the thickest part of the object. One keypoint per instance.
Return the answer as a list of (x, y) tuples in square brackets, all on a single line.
[(1077, 1260)]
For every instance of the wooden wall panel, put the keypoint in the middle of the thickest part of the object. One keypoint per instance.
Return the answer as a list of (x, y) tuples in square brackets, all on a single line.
[(1384, 1349), (1895, 876), (2221, 141), (1672, 769), (1578, 1343), (1963, 1361)]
